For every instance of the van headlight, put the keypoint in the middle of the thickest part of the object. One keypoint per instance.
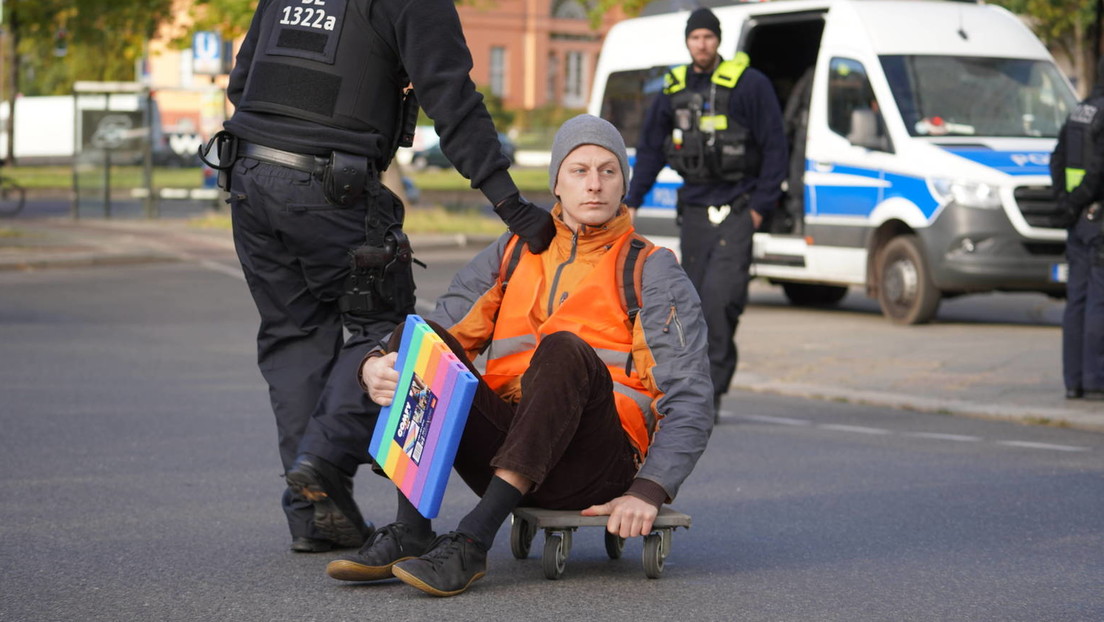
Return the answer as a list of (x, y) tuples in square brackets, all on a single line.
[(965, 193)]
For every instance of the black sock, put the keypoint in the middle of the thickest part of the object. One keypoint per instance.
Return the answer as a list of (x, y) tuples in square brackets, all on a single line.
[(487, 516), (409, 515)]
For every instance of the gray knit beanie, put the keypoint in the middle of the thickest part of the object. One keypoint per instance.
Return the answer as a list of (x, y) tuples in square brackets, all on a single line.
[(587, 129)]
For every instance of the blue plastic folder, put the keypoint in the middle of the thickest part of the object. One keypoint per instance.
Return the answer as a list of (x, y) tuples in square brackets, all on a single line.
[(415, 438)]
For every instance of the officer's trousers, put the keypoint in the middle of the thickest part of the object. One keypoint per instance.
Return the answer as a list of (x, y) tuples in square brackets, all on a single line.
[(1083, 321), (717, 258), (294, 250)]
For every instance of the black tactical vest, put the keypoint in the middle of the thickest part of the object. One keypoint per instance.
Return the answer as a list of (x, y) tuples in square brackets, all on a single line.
[(706, 145), (1079, 139), (321, 61)]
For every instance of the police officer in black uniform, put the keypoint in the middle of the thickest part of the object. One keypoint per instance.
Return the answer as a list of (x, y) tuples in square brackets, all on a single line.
[(719, 125), (1077, 171), (321, 104)]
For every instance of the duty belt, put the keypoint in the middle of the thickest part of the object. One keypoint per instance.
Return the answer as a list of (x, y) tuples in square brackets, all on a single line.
[(718, 213), (315, 165)]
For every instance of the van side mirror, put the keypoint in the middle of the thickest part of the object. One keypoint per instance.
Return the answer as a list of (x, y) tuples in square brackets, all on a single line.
[(865, 131)]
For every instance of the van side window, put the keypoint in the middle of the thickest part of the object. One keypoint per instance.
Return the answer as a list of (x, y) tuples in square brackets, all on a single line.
[(628, 96), (853, 111)]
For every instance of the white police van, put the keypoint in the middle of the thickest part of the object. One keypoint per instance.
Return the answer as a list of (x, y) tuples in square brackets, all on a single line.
[(920, 133)]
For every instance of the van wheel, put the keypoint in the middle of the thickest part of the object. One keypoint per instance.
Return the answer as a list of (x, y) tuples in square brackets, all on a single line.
[(905, 289), (809, 295)]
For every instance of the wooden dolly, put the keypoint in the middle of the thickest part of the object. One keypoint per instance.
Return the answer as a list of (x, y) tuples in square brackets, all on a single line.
[(558, 525)]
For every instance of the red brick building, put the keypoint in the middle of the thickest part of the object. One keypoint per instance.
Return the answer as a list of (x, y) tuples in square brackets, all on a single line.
[(534, 52)]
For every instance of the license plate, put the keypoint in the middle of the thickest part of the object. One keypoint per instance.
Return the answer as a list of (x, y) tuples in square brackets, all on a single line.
[(1059, 273)]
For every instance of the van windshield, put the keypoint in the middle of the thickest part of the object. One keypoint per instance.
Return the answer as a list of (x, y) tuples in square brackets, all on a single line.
[(962, 96)]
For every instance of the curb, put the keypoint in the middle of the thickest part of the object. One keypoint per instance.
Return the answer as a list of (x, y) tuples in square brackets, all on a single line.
[(1058, 417)]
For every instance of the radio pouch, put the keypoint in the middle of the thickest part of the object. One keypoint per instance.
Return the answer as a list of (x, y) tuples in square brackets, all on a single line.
[(345, 178)]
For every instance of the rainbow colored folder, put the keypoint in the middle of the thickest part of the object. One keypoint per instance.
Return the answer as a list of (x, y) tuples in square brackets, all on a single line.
[(415, 438)]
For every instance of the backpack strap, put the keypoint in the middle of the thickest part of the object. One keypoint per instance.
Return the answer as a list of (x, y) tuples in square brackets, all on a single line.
[(512, 255), (631, 274)]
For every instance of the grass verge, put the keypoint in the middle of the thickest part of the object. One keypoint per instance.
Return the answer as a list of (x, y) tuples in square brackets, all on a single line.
[(424, 220), (529, 180)]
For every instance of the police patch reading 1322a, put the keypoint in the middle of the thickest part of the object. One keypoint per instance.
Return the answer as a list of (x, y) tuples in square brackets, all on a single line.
[(309, 16)]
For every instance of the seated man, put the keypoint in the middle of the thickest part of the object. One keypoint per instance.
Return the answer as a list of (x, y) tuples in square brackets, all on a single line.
[(583, 405)]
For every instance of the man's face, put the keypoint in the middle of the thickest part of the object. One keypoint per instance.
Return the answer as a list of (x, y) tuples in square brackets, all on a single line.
[(590, 186), (703, 44)]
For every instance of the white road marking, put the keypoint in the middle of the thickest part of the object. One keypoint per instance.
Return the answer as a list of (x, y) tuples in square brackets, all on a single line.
[(958, 438), (778, 420), (858, 429), (1050, 446), (215, 266), (961, 438)]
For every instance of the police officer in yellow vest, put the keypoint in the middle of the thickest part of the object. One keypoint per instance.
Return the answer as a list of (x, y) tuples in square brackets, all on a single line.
[(1077, 171), (719, 125)]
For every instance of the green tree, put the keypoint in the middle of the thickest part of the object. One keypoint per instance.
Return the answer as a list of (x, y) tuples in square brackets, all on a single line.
[(597, 9), (230, 18), (61, 41), (1068, 26)]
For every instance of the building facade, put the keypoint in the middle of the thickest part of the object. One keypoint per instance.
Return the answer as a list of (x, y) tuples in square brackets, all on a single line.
[(531, 53), (534, 53)]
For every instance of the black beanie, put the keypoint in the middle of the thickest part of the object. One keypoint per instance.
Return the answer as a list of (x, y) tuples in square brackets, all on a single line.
[(703, 18)]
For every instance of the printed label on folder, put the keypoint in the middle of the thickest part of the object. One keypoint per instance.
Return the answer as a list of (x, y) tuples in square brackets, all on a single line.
[(417, 418)]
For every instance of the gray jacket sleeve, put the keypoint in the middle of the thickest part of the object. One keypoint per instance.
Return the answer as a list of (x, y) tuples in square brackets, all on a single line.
[(469, 283), (674, 329)]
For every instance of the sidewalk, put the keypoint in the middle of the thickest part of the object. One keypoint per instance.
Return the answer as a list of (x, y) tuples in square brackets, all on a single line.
[(959, 366), (39, 243)]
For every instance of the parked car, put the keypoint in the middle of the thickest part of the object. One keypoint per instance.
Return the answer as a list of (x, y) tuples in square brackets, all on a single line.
[(413, 193), (430, 154)]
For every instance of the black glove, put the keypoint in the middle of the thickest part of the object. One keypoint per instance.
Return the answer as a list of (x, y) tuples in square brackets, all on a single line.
[(529, 221), (1067, 214)]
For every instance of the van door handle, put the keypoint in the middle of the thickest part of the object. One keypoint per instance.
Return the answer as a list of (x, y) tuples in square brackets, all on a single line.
[(823, 167)]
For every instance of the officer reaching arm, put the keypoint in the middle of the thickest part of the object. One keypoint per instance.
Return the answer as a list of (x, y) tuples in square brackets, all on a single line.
[(365, 95)]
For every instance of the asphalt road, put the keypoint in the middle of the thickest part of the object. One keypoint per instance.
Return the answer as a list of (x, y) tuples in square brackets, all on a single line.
[(142, 483)]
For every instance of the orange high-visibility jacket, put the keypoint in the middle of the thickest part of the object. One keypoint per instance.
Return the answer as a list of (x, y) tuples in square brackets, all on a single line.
[(586, 302), (658, 362)]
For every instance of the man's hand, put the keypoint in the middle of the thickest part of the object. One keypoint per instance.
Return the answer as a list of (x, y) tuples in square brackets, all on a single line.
[(756, 219), (628, 516), (531, 223), (379, 375)]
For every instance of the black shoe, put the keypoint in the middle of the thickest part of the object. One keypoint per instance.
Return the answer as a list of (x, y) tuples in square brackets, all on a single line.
[(1074, 394), (389, 545), (303, 544), (453, 563), (1094, 396), (336, 515)]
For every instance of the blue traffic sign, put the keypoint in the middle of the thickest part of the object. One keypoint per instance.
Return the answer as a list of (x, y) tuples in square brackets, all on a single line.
[(207, 53)]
